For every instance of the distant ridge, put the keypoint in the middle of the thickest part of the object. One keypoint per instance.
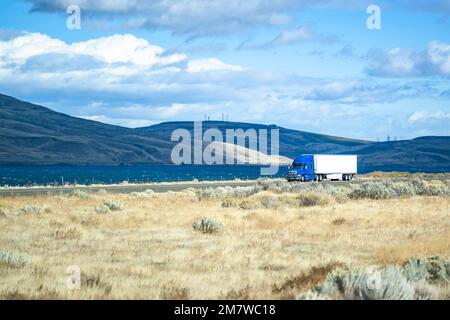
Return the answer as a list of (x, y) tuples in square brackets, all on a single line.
[(32, 134)]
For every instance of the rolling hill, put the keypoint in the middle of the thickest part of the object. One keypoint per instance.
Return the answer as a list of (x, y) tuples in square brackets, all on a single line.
[(32, 134)]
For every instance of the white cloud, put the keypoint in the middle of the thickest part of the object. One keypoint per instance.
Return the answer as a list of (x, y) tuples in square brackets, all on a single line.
[(203, 18), (113, 49), (422, 116), (211, 64), (357, 91), (118, 63), (302, 33), (20, 48), (439, 54), (126, 49), (145, 86), (401, 62), (124, 122), (194, 17)]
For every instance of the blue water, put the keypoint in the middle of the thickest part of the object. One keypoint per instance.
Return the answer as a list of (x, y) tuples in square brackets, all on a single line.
[(55, 175)]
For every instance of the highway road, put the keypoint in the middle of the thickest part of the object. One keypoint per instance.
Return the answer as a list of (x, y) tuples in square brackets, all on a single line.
[(8, 192)]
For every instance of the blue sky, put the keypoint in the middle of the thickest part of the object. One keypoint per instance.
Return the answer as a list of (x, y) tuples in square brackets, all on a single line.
[(306, 65)]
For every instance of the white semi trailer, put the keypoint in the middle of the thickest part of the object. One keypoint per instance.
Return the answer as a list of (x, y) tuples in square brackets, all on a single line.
[(319, 167)]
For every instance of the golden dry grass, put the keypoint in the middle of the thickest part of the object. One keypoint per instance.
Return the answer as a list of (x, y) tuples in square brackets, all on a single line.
[(150, 251)]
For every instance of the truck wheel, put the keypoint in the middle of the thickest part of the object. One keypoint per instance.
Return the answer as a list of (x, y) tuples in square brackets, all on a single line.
[(302, 178)]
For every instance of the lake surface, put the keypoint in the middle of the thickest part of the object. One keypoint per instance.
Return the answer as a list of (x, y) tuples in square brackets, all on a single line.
[(56, 175)]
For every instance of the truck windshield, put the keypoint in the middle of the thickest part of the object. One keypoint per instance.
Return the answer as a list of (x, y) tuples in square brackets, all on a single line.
[(299, 166)]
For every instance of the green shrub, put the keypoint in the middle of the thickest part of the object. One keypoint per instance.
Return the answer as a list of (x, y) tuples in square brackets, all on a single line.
[(207, 225), (2, 212)]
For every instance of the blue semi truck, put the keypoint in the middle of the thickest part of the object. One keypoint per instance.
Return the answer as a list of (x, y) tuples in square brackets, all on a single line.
[(318, 167)]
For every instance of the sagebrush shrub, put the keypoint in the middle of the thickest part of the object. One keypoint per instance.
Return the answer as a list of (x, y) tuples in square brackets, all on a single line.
[(425, 291), (421, 187), (174, 292), (312, 295), (248, 204), (402, 189), (279, 186), (310, 199), (114, 205), (434, 190), (189, 192), (11, 260), (229, 202), (388, 283), (101, 209), (371, 190), (207, 225), (433, 269), (67, 234), (2, 212), (269, 201), (142, 195), (81, 194), (418, 278), (35, 209), (222, 192)]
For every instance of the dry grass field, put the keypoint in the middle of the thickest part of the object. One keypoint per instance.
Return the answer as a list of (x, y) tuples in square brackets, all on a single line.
[(271, 241)]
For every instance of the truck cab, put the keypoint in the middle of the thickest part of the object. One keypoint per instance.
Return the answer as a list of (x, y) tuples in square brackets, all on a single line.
[(302, 169)]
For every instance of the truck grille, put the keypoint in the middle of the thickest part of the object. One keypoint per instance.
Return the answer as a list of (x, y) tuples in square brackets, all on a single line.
[(292, 174)]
